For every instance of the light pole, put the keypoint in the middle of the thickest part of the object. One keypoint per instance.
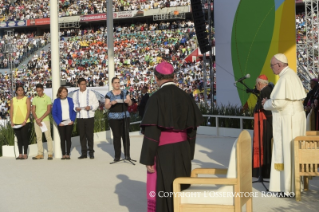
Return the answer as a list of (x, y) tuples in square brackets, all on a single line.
[(211, 72), (55, 66), (110, 45)]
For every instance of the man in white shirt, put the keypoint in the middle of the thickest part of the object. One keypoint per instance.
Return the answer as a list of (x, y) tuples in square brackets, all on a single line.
[(85, 104)]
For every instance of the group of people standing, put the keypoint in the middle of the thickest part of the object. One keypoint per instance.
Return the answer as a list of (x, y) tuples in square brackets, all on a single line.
[(169, 125), (64, 112)]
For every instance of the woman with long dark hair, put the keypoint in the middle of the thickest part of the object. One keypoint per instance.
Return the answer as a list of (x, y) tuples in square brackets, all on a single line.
[(117, 113), (20, 107)]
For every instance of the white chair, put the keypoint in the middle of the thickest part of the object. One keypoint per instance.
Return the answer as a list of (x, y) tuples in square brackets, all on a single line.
[(207, 193), (306, 157)]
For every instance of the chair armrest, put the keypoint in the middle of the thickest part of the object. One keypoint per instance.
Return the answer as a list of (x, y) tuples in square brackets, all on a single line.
[(202, 180), (312, 133), (307, 138), (198, 171)]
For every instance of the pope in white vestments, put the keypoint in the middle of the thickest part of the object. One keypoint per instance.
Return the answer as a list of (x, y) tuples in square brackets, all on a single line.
[(289, 121)]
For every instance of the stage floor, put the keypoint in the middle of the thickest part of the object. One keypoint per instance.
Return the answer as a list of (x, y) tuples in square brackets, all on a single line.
[(95, 185)]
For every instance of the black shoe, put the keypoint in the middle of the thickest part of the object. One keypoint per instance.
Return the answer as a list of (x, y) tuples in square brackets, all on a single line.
[(116, 159), (82, 157), (128, 158), (91, 156)]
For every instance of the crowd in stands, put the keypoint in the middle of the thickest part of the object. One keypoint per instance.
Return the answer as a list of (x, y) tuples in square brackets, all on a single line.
[(28, 9), (137, 48), (307, 61), (21, 45)]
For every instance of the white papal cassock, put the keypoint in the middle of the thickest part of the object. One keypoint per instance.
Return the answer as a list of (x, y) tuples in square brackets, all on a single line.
[(289, 121)]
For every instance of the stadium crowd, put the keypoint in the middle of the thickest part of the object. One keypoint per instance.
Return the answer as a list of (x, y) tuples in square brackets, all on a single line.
[(28, 9), (138, 48), (307, 61), (21, 45)]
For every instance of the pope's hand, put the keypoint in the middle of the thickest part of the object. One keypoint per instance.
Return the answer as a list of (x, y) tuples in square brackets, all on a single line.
[(263, 101)]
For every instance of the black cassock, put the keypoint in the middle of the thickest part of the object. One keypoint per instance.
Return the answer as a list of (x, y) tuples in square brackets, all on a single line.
[(169, 109), (142, 105), (267, 135)]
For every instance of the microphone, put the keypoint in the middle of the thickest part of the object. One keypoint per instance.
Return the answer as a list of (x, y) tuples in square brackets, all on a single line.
[(254, 90), (122, 95), (243, 78), (250, 90)]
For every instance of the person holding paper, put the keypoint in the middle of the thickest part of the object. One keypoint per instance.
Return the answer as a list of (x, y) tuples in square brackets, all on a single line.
[(64, 116), (117, 110), (85, 104), (20, 121), (41, 109)]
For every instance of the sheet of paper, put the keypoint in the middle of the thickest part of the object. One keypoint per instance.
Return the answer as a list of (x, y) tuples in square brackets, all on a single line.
[(66, 122), (43, 127), (17, 126), (119, 100)]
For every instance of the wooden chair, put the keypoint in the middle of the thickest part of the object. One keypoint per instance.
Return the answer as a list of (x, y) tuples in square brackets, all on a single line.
[(312, 133), (306, 160), (238, 179)]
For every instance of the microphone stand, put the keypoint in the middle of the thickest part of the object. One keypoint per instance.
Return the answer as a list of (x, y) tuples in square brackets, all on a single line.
[(126, 135), (260, 178)]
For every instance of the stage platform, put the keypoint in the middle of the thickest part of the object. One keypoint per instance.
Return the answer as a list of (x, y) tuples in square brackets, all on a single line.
[(95, 185)]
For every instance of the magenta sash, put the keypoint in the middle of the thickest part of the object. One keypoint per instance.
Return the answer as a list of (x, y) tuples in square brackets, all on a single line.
[(171, 137), (151, 189), (167, 137)]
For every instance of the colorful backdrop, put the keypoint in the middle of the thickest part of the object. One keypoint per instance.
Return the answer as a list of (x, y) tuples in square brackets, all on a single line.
[(248, 34)]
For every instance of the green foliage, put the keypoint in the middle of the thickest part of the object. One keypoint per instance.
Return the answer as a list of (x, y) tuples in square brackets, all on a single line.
[(75, 129), (31, 133), (99, 121)]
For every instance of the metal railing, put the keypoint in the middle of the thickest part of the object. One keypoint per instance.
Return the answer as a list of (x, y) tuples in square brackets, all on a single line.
[(217, 117), (168, 16), (241, 118), (137, 122)]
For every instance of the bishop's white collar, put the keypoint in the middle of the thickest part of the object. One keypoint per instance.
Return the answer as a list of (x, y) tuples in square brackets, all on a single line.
[(167, 83)]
